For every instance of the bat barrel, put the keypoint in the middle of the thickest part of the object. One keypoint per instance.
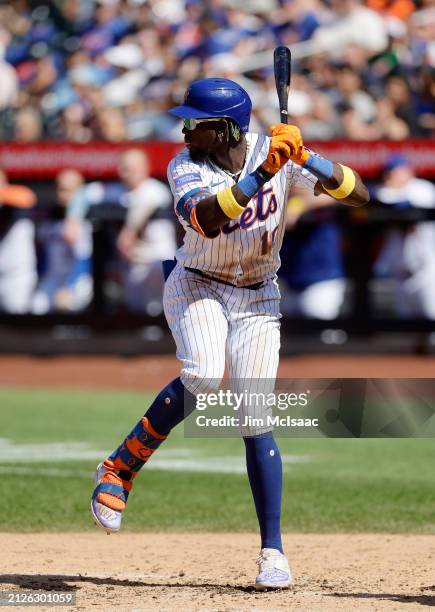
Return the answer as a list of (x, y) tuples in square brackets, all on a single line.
[(282, 67)]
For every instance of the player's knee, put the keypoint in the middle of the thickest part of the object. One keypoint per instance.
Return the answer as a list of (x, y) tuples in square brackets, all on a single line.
[(195, 382)]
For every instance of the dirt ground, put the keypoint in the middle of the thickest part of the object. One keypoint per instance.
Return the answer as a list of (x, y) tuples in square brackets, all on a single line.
[(337, 572), (145, 373), (215, 571)]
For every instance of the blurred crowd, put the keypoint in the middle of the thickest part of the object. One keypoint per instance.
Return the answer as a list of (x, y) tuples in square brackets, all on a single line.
[(109, 69), (315, 269), (47, 266), (83, 70)]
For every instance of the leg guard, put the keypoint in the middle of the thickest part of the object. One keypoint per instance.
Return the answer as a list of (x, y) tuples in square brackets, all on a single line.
[(124, 464)]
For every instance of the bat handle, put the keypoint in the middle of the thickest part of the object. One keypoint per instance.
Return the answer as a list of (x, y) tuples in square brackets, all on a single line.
[(284, 115)]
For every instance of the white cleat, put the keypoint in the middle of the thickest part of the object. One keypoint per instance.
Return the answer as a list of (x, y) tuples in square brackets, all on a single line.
[(104, 517), (274, 571)]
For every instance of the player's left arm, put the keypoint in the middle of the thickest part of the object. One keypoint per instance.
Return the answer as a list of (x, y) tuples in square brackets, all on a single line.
[(334, 179), (344, 187)]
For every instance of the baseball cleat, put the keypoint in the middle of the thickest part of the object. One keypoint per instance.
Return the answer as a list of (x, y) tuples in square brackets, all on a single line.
[(108, 499), (274, 570)]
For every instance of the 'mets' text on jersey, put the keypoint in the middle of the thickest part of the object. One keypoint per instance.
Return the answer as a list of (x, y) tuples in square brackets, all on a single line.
[(246, 250)]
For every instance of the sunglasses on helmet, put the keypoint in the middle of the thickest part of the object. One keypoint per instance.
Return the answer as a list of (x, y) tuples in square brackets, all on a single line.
[(191, 124)]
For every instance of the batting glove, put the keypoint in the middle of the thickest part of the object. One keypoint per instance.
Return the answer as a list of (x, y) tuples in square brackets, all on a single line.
[(286, 143)]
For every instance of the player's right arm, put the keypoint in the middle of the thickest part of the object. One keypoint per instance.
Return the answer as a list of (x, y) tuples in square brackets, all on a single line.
[(207, 212)]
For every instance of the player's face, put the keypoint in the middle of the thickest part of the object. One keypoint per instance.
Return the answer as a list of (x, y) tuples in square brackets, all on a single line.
[(203, 139)]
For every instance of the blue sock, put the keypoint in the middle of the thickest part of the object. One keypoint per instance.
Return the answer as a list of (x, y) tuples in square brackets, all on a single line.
[(172, 405), (264, 466)]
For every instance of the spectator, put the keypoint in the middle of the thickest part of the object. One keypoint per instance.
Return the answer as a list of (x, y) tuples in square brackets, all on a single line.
[(408, 255), (398, 93), (17, 249), (351, 92), (130, 75), (110, 125), (388, 124), (312, 271), (8, 77), (352, 23), (28, 127), (147, 237), (73, 124), (66, 245), (108, 27)]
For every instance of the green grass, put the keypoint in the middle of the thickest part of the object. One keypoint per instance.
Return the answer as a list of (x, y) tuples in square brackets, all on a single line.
[(343, 484)]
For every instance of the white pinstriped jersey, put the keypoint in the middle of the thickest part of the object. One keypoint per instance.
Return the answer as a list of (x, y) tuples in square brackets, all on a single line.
[(247, 248)]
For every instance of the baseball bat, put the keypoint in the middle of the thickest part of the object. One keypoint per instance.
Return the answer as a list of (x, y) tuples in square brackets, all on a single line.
[(282, 63)]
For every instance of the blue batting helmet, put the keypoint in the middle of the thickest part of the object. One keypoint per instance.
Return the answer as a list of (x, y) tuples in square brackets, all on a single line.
[(220, 98)]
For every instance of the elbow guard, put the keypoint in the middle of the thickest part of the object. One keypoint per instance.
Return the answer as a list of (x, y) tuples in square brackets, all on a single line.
[(187, 204)]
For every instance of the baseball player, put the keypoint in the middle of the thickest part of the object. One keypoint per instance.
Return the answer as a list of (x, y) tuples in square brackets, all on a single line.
[(221, 299)]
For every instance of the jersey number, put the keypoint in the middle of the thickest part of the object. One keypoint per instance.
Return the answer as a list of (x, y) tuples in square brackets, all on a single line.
[(267, 240)]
